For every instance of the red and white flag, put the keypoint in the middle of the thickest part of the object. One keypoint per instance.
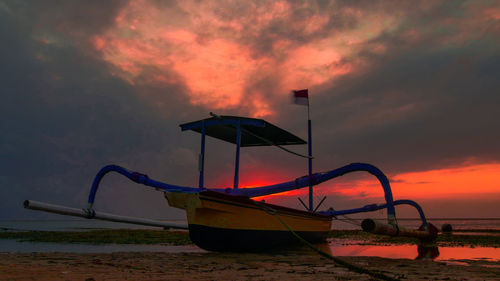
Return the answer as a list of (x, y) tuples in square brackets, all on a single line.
[(301, 97)]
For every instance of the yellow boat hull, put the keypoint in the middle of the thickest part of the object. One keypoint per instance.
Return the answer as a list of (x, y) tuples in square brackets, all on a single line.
[(222, 222)]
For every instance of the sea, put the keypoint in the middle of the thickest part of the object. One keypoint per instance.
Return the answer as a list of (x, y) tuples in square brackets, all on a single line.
[(76, 224), (338, 248), (456, 223)]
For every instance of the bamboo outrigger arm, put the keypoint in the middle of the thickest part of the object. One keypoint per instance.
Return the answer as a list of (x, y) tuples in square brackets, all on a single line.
[(424, 233), (298, 183), (92, 214), (375, 207)]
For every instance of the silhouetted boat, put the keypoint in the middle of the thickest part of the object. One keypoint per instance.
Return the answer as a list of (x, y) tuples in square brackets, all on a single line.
[(228, 219)]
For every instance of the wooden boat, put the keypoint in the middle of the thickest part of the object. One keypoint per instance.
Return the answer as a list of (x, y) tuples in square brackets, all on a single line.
[(228, 219), (224, 222)]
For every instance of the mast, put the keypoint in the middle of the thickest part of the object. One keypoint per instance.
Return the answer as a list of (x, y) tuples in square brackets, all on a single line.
[(201, 159), (302, 97), (309, 143), (237, 162)]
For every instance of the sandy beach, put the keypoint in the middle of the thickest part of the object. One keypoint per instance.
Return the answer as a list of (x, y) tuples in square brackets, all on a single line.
[(229, 266), (192, 263)]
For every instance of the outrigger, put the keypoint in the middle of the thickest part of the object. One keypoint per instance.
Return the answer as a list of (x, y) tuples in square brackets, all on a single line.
[(228, 219)]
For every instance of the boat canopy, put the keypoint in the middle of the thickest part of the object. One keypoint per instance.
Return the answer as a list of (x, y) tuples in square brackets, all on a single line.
[(254, 132)]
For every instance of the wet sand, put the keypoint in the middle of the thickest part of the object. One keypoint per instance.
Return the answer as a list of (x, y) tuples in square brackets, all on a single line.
[(229, 266)]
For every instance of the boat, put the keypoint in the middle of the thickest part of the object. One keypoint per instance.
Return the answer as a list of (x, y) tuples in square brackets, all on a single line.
[(230, 219), (223, 222)]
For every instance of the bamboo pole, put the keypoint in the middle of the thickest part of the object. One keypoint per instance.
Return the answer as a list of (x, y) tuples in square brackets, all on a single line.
[(91, 214)]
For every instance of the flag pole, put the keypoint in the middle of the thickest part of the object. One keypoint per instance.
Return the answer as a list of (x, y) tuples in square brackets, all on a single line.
[(310, 157), (302, 97)]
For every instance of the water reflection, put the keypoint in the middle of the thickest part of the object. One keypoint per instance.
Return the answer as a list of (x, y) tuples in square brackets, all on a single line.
[(427, 251), (423, 251), (325, 248)]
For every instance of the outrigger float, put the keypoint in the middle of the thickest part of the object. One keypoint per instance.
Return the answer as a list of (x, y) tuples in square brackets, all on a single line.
[(228, 219)]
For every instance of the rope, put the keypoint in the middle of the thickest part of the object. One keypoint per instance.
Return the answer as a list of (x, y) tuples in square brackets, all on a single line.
[(347, 219), (264, 139), (336, 260), (277, 145)]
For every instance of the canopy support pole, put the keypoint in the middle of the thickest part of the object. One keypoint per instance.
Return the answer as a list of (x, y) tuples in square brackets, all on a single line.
[(201, 163), (237, 164), (309, 143)]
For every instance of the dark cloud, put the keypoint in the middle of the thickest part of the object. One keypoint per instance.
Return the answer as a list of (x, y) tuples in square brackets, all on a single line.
[(75, 17), (64, 116), (425, 103)]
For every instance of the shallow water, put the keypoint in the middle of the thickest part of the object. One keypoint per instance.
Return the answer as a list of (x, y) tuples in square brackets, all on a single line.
[(13, 246), (412, 252), (456, 223), (335, 248)]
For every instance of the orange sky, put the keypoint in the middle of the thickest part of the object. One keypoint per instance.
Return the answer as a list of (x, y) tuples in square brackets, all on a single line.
[(440, 183), (458, 183), (213, 59)]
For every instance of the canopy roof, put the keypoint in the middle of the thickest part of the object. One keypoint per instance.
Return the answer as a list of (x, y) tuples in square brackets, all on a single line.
[(254, 132)]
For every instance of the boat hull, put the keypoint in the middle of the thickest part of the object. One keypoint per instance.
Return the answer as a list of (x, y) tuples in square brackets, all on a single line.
[(221, 222), (244, 240)]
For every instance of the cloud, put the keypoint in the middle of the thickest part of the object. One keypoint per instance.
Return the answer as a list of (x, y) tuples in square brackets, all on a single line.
[(222, 52), (425, 103), (406, 87), (65, 115)]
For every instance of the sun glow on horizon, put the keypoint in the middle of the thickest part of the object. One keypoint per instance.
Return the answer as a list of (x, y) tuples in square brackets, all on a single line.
[(461, 182)]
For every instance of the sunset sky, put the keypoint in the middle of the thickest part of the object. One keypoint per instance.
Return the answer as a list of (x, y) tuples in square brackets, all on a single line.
[(410, 87)]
